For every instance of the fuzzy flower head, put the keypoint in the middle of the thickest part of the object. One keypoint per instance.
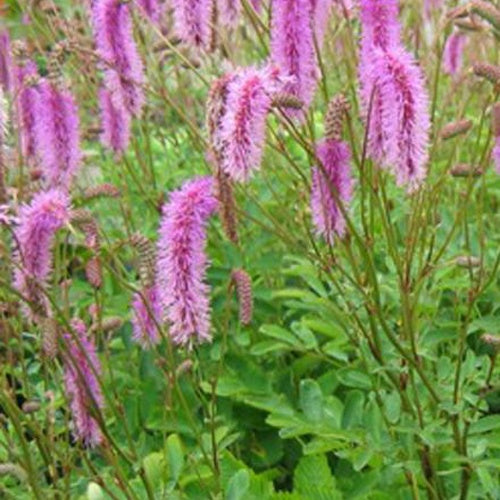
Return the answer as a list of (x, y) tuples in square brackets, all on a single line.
[(403, 116), (146, 316), (192, 22), (6, 66), (123, 70), (152, 9), (26, 97), (38, 223), (380, 25), (292, 48), (115, 123), (453, 53), (57, 134), (182, 261), (81, 365), (334, 176), (320, 14), (229, 12), (243, 126)]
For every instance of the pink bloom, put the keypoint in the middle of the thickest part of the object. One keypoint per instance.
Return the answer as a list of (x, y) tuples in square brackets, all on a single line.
[(81, 365), (182, 261), (6, 67), (321, 13), (57, 134), (115, 123), (192, 20), (152, 9), (144, 320), (25, 105), (243, 126), (123, 71), (404, 116), (229, 12), (335, 176), (453, 53), (380, 25), (38, 223), (496, 154), (292, 48)]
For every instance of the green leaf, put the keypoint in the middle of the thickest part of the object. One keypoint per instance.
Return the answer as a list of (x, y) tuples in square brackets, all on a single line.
[(238, 485), (354, 378), (95, 492), (154, 466), (279, 333), (392, 405), (267, 346), (314, 480), (311, 400), (175, 458), (485, 424), (353, 409)]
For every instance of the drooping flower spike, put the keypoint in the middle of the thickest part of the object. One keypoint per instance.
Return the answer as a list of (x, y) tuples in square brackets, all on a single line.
[(147, 315), (115, 123), (57, 134), (122, 65), (292, 49), (182, 262), (81, 365), (453, 53), (38, 223), (243, 126), (152, 9), (192, 22)]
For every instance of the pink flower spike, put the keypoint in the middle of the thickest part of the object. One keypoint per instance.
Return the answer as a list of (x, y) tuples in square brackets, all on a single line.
[(321, 10), (404, 117), (496, 154), (123, 70), (115, 122), (453, 53), (144, 320), (26, 97), (380, 25), (292, 49), (81, 365), (229, 12), (38, 223), (57, 135), (243, 127), (335, 176), (6, 66), (182, 261), (152, 9), (192, 19)]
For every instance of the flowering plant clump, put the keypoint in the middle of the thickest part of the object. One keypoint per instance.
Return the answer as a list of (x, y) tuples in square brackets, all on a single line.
[(249, 249)]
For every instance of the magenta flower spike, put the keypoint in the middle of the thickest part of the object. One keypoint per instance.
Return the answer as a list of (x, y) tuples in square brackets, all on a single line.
[(404, 115), (321, 10), (123, 70), (152, 9), (81, 365), (182, 261), (38, 223), (6, 66), (144, 320), (57, 134), (453, 53), (115, 123), (243, 126), (26, 97), (229, 12), (335, 158), (292, 49), (192, 19)]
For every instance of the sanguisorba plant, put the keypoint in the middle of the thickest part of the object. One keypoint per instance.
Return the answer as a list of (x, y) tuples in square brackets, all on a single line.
[(249, 249)]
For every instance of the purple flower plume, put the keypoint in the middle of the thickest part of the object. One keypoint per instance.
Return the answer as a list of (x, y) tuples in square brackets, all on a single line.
[(152, 9), (123, 70), (320, 12), (192, 20), (404, 115), (182, 261), (25, 105), (81, 365), (38, 223), (115, 123), (453, 53), (144, 320), (243, 126), (381, 28), (229, 12), (6, 67), (335, 176), (292, 48), (57, 134)]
